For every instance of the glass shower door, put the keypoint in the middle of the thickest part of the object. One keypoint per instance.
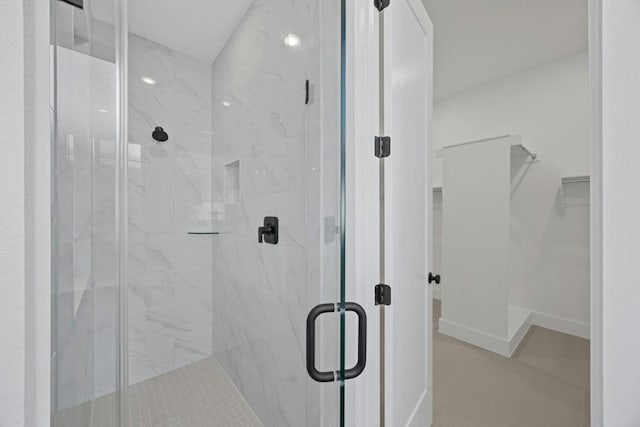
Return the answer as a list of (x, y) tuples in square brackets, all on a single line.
[(234, 206), (84, 251), (199, 214)]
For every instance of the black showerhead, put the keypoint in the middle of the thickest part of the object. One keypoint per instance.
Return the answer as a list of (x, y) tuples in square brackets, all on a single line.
[(159, 134)]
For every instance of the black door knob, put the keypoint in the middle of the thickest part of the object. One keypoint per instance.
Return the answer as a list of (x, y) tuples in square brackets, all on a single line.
[(434, 278)]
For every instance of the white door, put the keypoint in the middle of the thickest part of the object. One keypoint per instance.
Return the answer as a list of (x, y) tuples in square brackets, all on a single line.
[(408, 62)]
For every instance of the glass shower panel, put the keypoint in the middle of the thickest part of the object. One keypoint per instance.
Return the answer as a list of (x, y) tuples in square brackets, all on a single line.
[(84, 305), (233, 123)]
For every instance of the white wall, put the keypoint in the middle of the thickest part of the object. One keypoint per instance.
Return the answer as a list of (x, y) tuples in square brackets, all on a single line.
[(12, 214), (620, 123), (37, 213), (24, 213), (548, 106)]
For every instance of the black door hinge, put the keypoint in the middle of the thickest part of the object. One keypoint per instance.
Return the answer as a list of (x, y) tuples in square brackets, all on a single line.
[(382, 146), (381, 4), (383, 294)]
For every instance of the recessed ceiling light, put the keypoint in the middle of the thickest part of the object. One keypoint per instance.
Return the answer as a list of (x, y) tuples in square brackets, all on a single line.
[(226, 103), (148, 80), (291, 40)]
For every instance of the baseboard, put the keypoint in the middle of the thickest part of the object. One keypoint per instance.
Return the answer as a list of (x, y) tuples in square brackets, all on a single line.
[(473, 336), (561, 324), (506, 347), (519, 324)]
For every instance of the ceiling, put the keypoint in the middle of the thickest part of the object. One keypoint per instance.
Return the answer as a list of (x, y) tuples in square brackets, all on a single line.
[(195, 27), (476, 41), (479, 41)]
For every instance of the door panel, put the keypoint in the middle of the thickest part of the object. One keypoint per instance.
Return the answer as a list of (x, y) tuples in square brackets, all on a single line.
[(409, 214)]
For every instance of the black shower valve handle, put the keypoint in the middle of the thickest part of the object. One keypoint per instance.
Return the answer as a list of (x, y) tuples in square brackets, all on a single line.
[(268, 231), (262, 231)]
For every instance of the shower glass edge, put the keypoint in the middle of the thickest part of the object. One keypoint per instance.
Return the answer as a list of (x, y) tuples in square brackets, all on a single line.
[(122, 221)]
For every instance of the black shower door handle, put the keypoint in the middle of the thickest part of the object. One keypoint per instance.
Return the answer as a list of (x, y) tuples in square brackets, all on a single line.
[(329, 376)]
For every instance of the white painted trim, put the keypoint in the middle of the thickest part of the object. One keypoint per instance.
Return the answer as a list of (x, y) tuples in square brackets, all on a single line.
[(362, 237), (12, 215), (519, 324), (429, 209), (561, 324), (502, 346), (38, 214), (506, 347), (596, 206)]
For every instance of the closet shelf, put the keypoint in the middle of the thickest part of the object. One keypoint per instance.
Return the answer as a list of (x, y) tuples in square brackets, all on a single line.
[(574, 179), (519, 147)]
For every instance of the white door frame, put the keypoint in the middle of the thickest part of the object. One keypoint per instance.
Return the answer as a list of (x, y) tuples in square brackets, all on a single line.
[(362, 244), (362, 205), (596, 207)]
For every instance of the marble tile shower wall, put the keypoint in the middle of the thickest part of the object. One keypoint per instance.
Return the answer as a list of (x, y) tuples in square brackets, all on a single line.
[(262, 293), (170, 187)]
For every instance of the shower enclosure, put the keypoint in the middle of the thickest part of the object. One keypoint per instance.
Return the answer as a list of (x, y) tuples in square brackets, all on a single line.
[(187, 259)]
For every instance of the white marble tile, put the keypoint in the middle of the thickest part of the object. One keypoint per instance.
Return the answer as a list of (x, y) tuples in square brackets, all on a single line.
[(192, 184), (150, 181), (288, 168), (138, 111), (192, 150), (161, 154), (178, 110), (194, 217), (179, 100), (151, 216), (267, 174)]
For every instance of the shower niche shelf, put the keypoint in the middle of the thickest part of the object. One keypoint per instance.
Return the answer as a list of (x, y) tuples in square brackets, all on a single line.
[(204, 233), (232, 182)]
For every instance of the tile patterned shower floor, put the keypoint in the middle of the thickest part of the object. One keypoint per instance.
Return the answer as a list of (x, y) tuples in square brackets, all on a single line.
[(545, 384), (197, 395)]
